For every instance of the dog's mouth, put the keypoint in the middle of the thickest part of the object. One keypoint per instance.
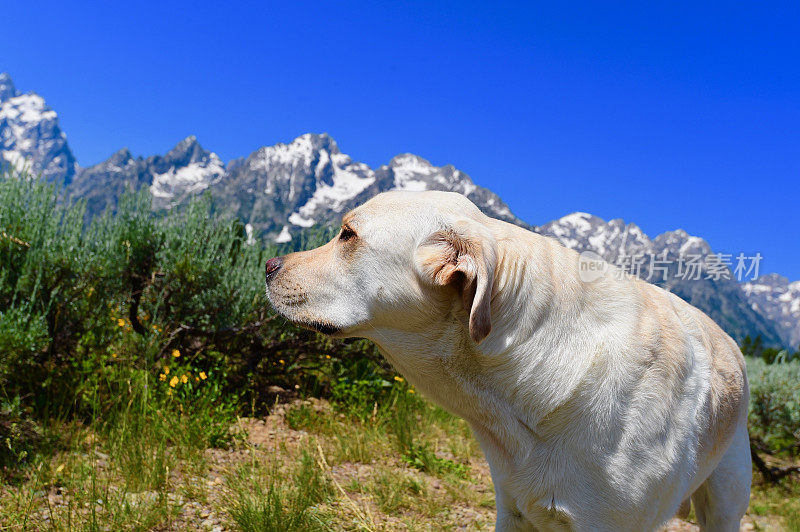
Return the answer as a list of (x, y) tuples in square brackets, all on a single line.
[(320, 327), (290, 306), (315, 325)]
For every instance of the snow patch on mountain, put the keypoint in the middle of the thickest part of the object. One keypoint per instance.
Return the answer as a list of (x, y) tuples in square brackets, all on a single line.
[(298, 152), (298, 220), (778, 300), (179, 182), (339, 181), (185, 171), (250, 239), (284, 236), (412, 172), (611, 240)]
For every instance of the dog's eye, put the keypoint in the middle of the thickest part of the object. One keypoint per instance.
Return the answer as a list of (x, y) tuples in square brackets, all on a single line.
[(347, 234)]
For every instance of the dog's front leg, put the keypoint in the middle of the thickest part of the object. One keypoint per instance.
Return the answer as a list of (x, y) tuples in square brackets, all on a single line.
[(509, 518)]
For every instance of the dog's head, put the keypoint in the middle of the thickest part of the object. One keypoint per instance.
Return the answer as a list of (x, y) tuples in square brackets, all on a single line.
[(402, 261)]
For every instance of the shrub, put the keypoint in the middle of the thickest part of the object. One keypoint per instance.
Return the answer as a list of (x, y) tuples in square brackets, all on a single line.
[(88, 314), (774, 415)]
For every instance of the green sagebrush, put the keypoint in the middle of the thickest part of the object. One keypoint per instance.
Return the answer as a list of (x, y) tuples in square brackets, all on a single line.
[(89, 311), (774, 415)]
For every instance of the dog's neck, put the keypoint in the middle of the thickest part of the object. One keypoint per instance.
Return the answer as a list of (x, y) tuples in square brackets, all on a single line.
[(529, 366)]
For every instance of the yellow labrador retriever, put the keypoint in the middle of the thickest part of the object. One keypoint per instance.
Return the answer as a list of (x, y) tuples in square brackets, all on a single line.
[(600, 404)]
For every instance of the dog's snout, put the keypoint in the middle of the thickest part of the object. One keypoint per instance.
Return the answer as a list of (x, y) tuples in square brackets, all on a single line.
[(273, 265)]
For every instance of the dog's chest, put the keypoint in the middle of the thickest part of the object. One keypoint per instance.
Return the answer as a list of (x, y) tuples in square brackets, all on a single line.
[(448, 370)]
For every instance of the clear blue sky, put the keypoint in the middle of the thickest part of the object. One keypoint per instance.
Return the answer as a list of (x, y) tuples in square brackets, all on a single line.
[(672, 115)]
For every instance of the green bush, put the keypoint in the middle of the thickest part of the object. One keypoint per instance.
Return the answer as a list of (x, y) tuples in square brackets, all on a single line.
[(22, 335), (774, 415), (93, 316), (19, 436)]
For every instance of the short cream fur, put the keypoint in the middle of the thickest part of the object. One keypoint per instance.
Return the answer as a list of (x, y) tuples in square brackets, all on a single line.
[(599, 405)]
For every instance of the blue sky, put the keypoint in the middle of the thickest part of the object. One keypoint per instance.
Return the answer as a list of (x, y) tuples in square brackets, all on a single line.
[(670, 115)]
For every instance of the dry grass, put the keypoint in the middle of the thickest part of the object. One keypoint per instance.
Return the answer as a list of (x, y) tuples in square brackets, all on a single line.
[(304, 467)]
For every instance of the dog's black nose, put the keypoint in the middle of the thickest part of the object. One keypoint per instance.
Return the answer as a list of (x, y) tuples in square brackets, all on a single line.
[(273, 265)]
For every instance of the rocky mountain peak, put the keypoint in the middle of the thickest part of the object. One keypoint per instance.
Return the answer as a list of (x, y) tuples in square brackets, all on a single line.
[(771, 280), (303, 150), (412, 172), (186, 152), (409, 160), (119, 157), (577, 222), (186, 170), (30, 137), (320, 142), (611, 240), (679, 242), (7, 88), (776, 298)]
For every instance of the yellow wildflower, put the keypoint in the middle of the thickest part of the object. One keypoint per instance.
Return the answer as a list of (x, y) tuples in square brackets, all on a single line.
[(184, 379), (328, 357), (121, 322), (197, 379), (166, 370), (203, 375), (281, 361), (398, 378), (174, 381), (162, 377), (411, 391), (113, 355), (176, 353)]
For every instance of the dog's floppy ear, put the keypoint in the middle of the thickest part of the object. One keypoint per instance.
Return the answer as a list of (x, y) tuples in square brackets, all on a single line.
[(463, 255)]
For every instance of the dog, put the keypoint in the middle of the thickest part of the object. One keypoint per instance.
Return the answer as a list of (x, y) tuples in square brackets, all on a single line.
[(600, 404)]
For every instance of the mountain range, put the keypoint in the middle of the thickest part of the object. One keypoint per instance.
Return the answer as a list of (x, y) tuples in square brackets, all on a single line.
[(280, 190)]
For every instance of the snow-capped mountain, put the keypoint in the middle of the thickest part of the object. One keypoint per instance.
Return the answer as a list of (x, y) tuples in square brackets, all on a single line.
[(184, 171), (278, 191), (683, 264), (611, 240), (776, 298), (30, 137), (285, 188), (7, 87)]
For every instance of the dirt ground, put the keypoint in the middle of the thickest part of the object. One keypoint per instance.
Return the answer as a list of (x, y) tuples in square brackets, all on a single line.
[(381, 492), (272, 435)]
